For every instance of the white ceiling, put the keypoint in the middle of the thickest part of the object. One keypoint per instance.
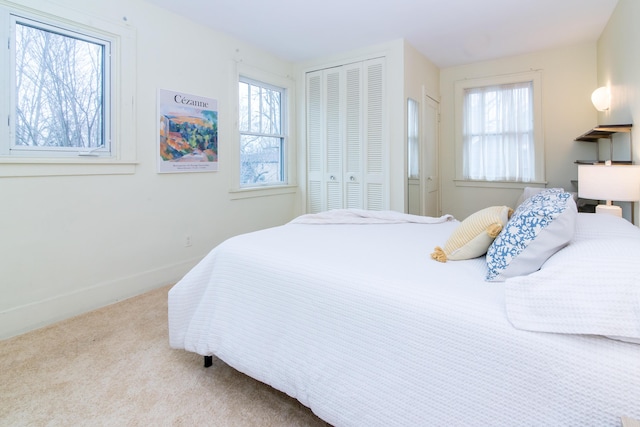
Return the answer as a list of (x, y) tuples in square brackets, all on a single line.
[(448, 32)]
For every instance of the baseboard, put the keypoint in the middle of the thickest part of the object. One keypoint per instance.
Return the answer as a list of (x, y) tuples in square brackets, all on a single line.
[(28, 317)]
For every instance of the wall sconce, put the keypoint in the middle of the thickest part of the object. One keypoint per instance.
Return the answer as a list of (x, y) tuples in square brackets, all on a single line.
[(601, 98), (608, 182)]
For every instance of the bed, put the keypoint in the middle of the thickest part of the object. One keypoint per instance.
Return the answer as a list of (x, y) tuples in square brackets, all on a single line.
[(347, 312)]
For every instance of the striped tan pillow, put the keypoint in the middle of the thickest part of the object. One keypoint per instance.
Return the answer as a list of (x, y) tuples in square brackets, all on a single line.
[(474, 235)]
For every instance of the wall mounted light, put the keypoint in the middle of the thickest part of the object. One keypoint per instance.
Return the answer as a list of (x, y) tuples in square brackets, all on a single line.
[(601, 98)]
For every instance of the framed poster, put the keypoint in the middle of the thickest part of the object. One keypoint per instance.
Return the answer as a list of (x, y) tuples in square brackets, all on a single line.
[(187, 133)]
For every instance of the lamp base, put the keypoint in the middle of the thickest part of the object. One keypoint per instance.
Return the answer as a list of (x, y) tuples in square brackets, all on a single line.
[(609, 210)]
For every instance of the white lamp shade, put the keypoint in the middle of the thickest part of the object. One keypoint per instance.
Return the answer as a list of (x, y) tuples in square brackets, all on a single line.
[(620, 183), (601, 98)]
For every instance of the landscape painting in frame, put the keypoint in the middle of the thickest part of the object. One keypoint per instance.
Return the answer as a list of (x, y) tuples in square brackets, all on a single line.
[(188, 133)]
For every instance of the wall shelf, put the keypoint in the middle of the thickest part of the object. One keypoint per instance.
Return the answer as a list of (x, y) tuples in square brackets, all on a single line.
[(602, 132), (607, 132), (602, 162)]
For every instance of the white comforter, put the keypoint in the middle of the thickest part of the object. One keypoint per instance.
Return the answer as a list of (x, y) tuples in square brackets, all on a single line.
[(359, 324), (362, 216)]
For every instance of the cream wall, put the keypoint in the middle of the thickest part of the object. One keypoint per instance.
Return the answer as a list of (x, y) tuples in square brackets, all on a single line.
[(619, 69), (419, 73), (619, 65), (72, 243), (568, 78)]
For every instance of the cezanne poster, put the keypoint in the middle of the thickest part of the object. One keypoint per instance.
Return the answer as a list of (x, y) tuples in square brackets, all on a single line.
[(188, 133)]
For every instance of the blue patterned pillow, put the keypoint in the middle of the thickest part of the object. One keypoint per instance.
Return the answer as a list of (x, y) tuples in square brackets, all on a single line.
[(540, 226)]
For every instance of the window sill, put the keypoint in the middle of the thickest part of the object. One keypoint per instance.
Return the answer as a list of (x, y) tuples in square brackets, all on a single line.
[(498, 184), (23, 167), (272, 190)]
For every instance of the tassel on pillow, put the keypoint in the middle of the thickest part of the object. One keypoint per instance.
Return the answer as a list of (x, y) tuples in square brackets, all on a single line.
[(439, 255), (494, 229)]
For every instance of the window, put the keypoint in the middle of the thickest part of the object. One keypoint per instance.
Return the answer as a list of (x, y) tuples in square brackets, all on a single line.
[(413, 138), (500, 133), (61, 98), (67, 89), (262, 139)]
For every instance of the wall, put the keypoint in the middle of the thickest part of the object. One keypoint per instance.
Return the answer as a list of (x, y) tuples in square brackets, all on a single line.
[(619, 69), (569, 77), (419, 73), (70, 244)]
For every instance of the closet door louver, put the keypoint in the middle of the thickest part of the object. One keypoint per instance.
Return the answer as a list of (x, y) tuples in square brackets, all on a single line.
[(374, 135), (353, 136), (345, 137), (315, 136), (334, 145)]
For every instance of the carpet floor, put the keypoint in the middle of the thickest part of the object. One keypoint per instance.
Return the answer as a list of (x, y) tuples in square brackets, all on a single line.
[(114, 367)]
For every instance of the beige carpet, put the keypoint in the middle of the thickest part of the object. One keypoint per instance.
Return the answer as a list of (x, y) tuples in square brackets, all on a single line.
[(114, 367)]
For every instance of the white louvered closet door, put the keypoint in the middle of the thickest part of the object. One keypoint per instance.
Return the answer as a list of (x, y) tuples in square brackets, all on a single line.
[(353, 136), (334, 137), (315, 137), (345, 137), (374, 136)]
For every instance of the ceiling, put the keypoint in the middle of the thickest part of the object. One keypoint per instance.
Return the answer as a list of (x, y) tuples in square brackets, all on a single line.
[(448, 32)]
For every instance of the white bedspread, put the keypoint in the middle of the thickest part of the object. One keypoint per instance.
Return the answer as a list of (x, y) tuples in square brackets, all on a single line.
[(363, 216), (359, 324)]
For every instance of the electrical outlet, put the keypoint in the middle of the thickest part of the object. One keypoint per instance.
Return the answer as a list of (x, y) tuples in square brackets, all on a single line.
[(187, 240)]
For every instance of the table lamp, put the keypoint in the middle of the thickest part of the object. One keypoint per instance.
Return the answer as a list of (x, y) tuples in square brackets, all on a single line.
[(620, 183)]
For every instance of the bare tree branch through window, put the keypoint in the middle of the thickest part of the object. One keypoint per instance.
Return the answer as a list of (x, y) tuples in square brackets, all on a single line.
[(59, 89), (261, 137)]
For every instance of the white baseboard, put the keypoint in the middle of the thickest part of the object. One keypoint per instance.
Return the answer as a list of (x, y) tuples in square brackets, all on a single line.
[(28, 317)]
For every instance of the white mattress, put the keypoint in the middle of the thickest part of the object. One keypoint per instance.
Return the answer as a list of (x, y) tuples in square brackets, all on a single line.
[(359, 324)]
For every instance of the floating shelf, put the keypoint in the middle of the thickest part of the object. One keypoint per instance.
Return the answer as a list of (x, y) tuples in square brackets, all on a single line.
[(602, 162), (606, 132), (603, 132)]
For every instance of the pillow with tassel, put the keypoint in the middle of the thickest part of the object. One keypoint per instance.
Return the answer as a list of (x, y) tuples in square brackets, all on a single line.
[(474, 235)]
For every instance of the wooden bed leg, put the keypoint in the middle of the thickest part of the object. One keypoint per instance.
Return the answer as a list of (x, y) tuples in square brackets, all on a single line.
[(208, 361)]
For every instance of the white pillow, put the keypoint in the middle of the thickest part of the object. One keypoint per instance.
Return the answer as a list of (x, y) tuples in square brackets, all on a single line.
[(540, 226), (527, 192), (589, 287), (602, 226)]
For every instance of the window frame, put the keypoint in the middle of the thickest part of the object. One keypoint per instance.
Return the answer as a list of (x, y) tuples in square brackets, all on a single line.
[(107, 126), (120, 82), (281, 136), (238, 191), (460, 86)]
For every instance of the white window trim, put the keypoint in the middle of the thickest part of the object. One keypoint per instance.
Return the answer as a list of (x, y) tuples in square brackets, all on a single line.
[(460, 86), (123, 143), (290, 186)]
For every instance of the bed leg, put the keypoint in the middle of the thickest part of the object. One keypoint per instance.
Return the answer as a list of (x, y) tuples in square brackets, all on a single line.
[(208, 361)]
